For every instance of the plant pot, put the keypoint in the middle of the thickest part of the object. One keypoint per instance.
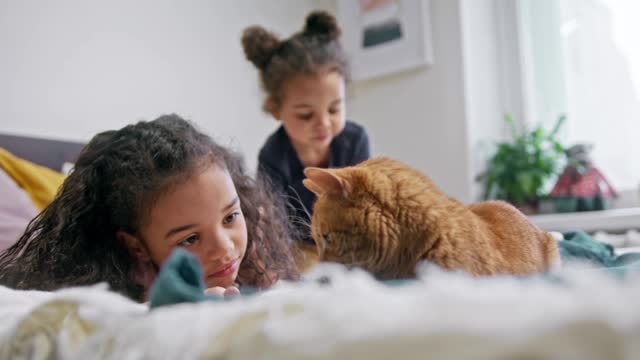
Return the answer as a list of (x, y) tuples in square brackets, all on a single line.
[(530, 208), (546, 206), (566, 204), (593, 204)]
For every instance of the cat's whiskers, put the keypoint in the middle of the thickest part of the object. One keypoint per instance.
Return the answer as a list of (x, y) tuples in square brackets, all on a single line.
[(299, 200), (291, 205), (300, 223)]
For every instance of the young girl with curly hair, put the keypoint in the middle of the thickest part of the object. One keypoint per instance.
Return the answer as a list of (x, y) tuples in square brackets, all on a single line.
[(138, 193)]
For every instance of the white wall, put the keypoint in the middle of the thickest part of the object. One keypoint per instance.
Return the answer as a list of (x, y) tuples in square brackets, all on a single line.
[(419, 116), (444, 119), (71, 68)]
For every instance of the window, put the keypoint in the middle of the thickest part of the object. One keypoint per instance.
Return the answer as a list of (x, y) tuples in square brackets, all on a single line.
[(581, 58)]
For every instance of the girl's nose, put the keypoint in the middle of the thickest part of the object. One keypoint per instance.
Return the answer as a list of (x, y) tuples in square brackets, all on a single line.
[(325, 120), (220, 245)]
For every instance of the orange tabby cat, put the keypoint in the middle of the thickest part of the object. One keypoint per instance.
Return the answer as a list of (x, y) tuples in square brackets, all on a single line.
[(386, 217)]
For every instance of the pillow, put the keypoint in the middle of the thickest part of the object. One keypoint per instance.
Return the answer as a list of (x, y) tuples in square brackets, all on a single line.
[(40, 182), (16, 210)]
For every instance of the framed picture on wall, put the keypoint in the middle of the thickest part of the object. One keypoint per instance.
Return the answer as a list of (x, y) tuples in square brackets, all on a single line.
[(385, 36)]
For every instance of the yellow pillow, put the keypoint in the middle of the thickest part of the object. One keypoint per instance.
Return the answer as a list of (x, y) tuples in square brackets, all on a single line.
[(41, 183)]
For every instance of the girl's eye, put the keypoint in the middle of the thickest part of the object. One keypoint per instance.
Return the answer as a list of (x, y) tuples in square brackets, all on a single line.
[(305, 117), (231, 218), (189, 241), (334, 111)]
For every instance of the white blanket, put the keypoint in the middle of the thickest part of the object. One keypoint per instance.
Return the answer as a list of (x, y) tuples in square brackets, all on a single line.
[(443, 315)]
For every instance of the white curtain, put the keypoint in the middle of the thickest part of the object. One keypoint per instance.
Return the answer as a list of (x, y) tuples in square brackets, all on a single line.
[(584, 59)]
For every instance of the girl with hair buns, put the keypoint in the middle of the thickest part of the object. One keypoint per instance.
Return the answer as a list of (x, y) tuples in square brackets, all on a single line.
[(304, 80)]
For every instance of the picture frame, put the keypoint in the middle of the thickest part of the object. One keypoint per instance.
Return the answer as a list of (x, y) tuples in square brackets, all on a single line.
[(383, 37)]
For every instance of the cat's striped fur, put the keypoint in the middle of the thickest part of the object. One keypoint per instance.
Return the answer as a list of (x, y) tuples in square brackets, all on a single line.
[(386, 217)]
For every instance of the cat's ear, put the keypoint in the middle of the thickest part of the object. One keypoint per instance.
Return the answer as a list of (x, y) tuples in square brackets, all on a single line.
[(322, 181), (313, 187)]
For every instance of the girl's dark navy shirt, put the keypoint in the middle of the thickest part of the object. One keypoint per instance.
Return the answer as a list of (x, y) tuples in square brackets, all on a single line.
[(279, 162)]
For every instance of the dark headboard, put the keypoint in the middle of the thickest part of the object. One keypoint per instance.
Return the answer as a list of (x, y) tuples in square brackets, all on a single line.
[(46, 152)]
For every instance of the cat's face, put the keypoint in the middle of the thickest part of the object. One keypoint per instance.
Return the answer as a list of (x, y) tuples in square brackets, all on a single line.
[(354, 219)]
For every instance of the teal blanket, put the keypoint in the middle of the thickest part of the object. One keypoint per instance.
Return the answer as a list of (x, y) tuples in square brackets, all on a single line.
[(579, 246), (180, 279)]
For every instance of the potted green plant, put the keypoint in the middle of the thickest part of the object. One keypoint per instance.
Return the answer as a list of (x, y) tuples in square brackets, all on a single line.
[(521, 169)]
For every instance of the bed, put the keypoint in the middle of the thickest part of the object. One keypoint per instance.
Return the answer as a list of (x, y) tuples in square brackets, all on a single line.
[(335, 313), (339, 314)]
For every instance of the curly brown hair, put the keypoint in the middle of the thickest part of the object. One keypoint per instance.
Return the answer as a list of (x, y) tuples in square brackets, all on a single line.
[(116, 180), (314, 49)]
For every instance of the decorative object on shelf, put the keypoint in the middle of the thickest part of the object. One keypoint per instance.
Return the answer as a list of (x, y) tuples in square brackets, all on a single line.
[(581, 186), (520, 170), (385, 37)]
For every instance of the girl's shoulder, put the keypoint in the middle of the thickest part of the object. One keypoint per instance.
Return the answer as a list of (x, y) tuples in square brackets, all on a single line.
[(277, 143), (353, 132)]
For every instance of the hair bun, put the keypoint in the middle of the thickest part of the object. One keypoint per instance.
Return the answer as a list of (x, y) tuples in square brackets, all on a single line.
[(259, 45), (322, 23)]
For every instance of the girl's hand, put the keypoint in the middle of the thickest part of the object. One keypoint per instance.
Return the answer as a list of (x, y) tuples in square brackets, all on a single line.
[(219, 291)]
